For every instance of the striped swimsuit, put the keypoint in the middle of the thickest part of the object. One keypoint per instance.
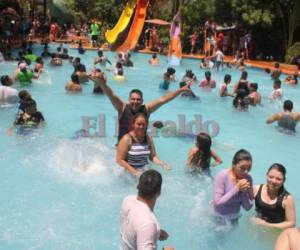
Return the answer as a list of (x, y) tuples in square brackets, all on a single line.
[(138, 153)]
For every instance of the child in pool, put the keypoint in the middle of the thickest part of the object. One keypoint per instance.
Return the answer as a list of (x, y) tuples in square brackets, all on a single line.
[(199, 158)]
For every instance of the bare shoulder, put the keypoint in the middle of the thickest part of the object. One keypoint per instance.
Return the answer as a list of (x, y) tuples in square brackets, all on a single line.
[(193, 150), (255, 189)]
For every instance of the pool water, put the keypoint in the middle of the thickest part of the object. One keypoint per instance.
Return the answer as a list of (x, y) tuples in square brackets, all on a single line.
[(62, 192)]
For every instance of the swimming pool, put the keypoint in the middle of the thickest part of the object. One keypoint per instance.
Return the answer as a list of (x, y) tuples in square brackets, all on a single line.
[(59, 192)]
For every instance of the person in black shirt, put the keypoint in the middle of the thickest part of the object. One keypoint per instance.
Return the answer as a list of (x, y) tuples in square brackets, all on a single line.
[(28, 120)]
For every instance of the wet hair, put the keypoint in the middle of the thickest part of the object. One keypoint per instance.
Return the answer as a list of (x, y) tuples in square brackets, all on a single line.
[(171, 71), (241, 155), (137, 91), (24, 95), (227, 78), (158, 124), (149, 184), (244, 75), (280, 168), (79, 67), (119, 65), (189, 73), (75, 78), (288, 105), (207, 74), (39, 60), (30, 106), (240, 101), (254, 85), (65, 51), (267, 70), (100, 53), (154, 55), (277, 82), (202, 158), (4, 80), (139, 115), (77, 59), (58, 49), (276, 65), (182, 84)]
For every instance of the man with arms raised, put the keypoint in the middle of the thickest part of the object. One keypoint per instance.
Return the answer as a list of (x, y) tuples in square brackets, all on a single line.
[(126, 111)]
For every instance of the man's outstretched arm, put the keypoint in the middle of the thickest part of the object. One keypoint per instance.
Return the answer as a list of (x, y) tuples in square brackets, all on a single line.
[(115, 100), (154, 105)]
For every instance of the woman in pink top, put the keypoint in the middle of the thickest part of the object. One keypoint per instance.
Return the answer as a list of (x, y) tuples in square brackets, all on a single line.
[(234, 189)]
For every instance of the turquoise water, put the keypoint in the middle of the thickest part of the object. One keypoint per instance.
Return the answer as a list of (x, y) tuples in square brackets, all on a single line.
[(58, 192)]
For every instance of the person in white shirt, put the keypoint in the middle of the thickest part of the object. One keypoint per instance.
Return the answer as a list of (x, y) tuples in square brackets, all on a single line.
[(219, 59), (140, 229), (8, 95), (276, 94)]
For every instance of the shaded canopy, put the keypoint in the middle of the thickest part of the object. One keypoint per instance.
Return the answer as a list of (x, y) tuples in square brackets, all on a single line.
[(10, 12), (158, 22)]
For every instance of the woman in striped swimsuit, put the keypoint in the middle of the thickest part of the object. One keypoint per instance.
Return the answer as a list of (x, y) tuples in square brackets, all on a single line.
[(136, 147)]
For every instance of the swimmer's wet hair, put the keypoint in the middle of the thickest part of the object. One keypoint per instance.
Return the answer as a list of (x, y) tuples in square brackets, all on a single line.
[(207, 74), (227, 78), (288, 105), (149, 184), (241, 155), (254, 85), (137, 91), (75, 78), (277, 82)]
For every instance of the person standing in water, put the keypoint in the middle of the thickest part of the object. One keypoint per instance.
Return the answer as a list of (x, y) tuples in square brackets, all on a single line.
[(287, 119), (199, 158), (274, 205), (139, 227), (233, 189), (126, 111)]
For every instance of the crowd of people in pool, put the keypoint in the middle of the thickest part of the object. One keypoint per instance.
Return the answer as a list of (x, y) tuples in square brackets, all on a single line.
[(234, 187)]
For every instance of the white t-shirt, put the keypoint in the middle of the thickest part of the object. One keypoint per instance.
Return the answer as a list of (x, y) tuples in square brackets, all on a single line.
[(8, 95), (219, 56), (276, 94), (139, 227)]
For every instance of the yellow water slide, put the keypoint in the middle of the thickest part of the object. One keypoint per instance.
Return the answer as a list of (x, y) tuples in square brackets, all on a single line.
[(136, 26), (112, 35)]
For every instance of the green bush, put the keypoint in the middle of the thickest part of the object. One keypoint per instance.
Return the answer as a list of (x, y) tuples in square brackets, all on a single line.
[(292, 52)]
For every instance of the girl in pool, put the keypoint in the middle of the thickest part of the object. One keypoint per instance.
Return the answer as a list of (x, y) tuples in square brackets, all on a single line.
[(200, 156), (243, 83), (223, 92), (233, 189), (136, 147), (241, 100), (273, 204)]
